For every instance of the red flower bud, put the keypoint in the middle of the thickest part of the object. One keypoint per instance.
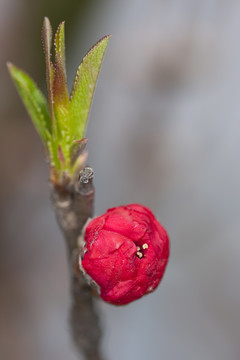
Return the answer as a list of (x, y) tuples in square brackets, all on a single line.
[(126, 252)]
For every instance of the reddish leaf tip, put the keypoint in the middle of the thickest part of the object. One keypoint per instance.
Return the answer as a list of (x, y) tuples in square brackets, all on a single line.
[(9, 65)]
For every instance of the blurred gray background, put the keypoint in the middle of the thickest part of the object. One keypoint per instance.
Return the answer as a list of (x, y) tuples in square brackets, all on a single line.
[(164, 132)]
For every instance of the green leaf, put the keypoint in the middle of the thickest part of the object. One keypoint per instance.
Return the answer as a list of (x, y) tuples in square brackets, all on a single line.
[(52, 148), (83, 88), (34, 101), (60, 43)]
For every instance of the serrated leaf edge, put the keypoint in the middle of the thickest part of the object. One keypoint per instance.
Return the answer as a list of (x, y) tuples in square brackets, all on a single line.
[(77, 77)]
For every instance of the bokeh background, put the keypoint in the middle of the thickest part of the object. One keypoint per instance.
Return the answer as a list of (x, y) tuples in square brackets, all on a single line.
[(163, 131)]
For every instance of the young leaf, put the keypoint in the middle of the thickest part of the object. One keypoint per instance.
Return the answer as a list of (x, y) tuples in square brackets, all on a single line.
[(34, 101), (47, 43), (83, 88), (78, 147), (60, 44), (60, 91)]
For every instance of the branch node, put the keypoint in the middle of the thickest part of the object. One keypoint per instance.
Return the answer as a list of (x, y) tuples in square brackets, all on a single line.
[(85, 180), (86, 175)]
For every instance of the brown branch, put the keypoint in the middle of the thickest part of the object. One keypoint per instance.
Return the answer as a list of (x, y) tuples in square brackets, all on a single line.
[(73, 206)]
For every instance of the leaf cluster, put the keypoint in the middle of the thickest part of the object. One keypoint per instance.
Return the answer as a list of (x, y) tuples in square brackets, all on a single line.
[(61, 120)]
